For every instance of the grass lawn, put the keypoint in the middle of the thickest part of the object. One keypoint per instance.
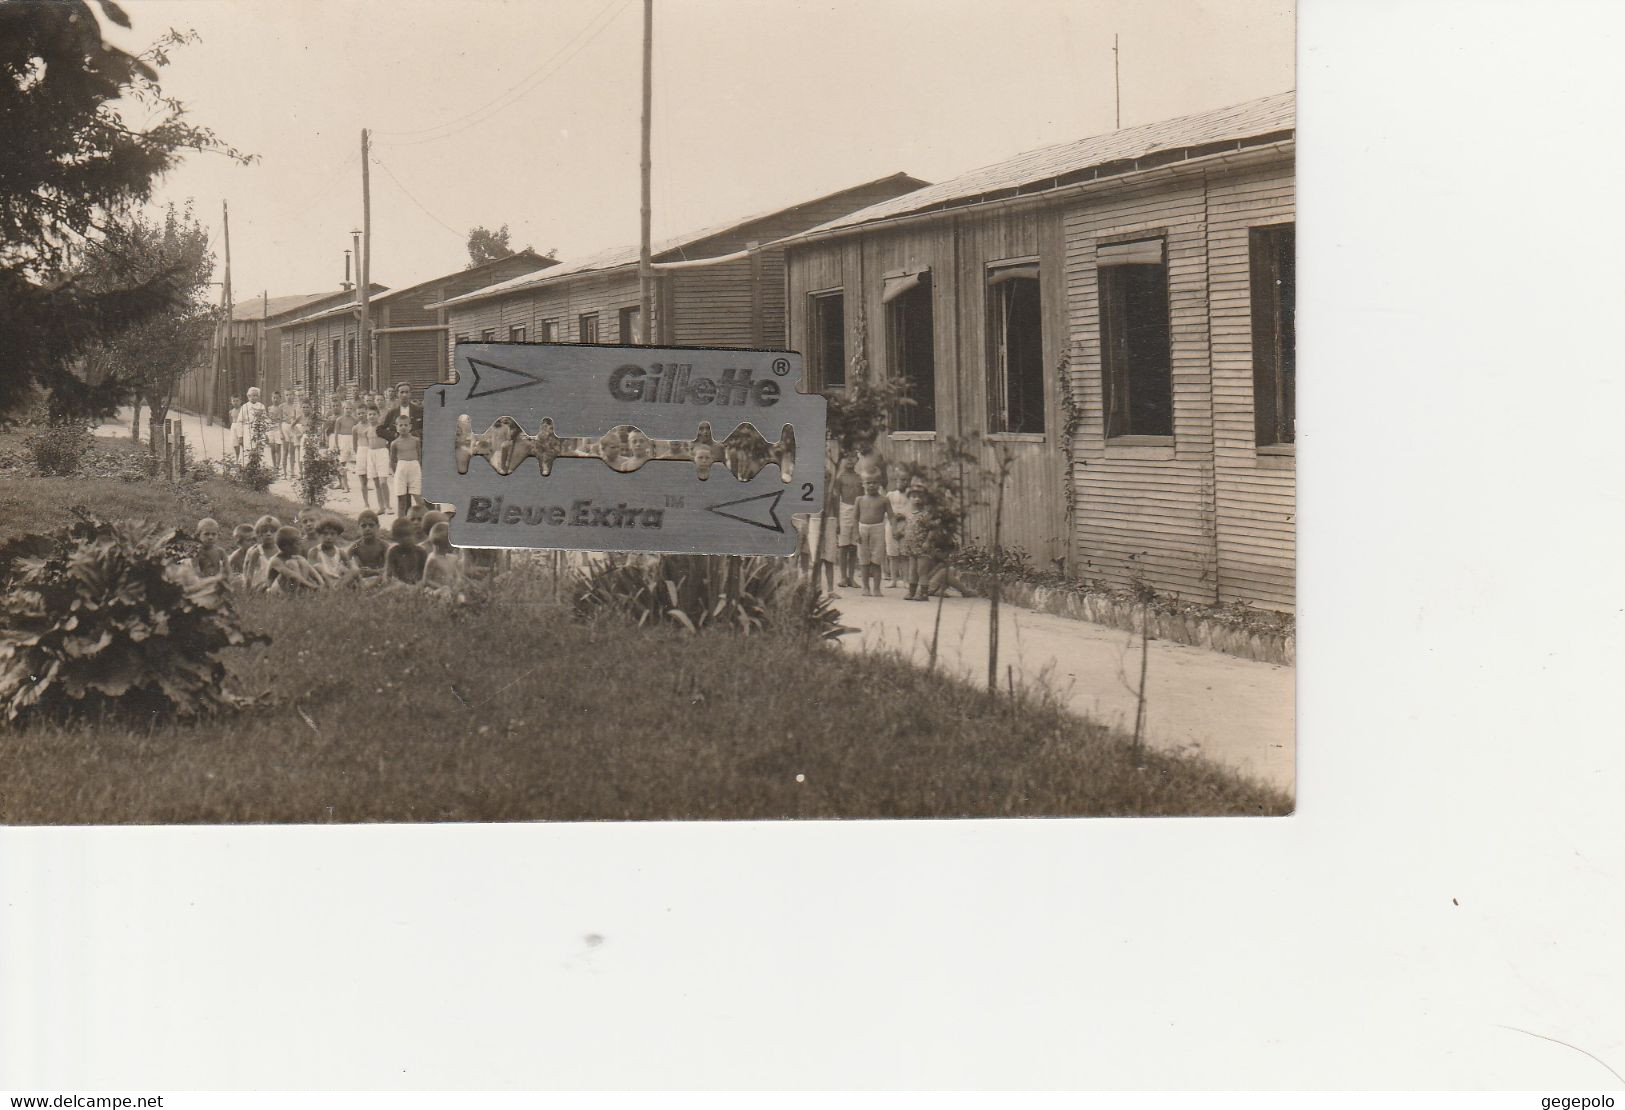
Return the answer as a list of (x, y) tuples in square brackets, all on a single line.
[(393, 708), (44, 504)]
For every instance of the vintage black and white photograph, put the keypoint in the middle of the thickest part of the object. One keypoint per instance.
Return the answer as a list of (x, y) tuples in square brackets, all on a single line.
[(1037, 261)]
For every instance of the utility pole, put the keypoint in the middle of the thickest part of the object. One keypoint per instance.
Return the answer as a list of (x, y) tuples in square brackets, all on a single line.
[(1117, 82), (214, 405), (645, 270), (364, 264)]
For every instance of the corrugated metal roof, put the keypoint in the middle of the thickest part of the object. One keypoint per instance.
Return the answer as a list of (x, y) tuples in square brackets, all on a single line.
[(628, 255), (258, 308), (1030, 172)]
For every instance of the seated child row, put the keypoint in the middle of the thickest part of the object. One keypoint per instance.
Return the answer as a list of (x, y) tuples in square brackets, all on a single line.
[(276, 558)]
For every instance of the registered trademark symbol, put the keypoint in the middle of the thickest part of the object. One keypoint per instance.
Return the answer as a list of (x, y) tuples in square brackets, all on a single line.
[(781, 366)]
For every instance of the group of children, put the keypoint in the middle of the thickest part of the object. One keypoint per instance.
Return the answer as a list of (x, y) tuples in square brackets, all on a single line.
[(309, 554), (388, 468), (875, 532)]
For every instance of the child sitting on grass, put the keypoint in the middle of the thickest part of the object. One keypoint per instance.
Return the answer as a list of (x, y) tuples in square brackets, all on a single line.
[(288, 571), (330, 560), (257, 562), (874, 517), (243, 534), (368, 553), (208, 561), (443, 569), (404, 563)]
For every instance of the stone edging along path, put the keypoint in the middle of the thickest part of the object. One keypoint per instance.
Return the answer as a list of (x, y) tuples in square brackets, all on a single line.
[(1263, 646)]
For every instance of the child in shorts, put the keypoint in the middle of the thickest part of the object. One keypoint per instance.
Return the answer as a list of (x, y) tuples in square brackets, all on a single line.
[(404, 563), (443, 568), (243, 537), (897, 564), (257, 562), (296, 438), (331, 561), (403, 456), (208, 561), (367, 554), (848, 487), (344, 440), (289, 572), (874, 518)]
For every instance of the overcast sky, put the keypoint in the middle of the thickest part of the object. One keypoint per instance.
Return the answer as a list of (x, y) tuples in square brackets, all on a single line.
[(526, 113)]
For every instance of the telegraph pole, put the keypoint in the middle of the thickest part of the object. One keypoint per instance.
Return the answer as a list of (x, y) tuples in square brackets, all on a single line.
[(364, 266), (1117, 82), (645, 270), (214, 402)]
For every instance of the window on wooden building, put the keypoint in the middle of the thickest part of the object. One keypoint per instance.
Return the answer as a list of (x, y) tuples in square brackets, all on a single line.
[(910, 343), (587, 328), (1273, 266), (516, 333), (550, 331), (349, 365), (1015, 355), (1136, 360), (826, 333), (489, 335), (310, 364), (331, 384), (629, 324)]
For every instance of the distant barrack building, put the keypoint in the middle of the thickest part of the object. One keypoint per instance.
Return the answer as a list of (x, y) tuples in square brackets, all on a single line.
[(1117, 313), (721, 286), (408, 331)]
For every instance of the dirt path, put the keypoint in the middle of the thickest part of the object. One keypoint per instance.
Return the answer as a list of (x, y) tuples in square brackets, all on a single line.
[(211, 440), (1230, 710)]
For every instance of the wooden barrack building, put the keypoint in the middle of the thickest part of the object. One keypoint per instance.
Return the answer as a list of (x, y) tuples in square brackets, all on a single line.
[(1117, 313)]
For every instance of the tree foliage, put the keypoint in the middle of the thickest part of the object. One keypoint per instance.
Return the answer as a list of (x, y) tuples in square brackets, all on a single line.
[(485, 245), (156, 353), (73, 161)]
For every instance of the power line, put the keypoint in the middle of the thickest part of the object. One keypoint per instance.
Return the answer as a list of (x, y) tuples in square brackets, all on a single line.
[(385, 167), (520, 89)]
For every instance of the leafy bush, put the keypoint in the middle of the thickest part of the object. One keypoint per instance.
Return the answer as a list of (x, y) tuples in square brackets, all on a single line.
[(58, 450), (1009, 562), (105, 619), (319, 469), (251, 472), (745, 594), (122, 465)]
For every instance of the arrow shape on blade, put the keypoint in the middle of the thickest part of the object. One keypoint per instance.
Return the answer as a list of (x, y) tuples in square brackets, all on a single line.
[(476, 365), (755, 521)]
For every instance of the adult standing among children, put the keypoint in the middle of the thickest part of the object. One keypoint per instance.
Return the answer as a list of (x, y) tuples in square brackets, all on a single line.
[(403, 405)]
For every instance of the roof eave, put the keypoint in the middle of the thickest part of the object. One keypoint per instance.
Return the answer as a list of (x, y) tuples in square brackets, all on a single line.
[(1062, 185)]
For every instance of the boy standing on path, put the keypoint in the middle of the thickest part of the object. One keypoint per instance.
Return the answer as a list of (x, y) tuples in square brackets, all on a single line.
[(848, 487), (403, 457), (874, 518), (344, 440)]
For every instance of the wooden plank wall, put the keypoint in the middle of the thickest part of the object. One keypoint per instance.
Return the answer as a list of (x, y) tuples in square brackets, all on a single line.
[(1145, 511), (322, 333), (711, 305), (565, 301), (957, 251), (1256, 493)]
